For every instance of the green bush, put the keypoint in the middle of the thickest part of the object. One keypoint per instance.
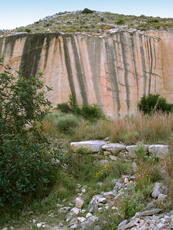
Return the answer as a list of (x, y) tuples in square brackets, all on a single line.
[(153, 20), (64, 108), (66, 123), (91, 112), (26, 166), (87, 11), (120, 21), (152, 103)]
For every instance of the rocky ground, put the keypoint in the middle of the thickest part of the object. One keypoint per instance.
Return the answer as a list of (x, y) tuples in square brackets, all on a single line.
[(102, 209)]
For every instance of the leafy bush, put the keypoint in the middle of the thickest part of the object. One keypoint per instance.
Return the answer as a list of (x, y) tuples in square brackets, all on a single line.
[(26, 166), (152, 103), (91, 112), (64, 108), (153, 20), (87, 11), (120, 21), (66, 123)]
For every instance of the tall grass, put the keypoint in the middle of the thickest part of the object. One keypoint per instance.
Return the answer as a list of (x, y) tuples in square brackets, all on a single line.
[(157, 128), (148, 129)]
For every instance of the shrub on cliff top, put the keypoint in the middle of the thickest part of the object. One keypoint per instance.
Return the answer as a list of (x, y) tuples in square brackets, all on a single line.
[(87, 11), (26, 166)]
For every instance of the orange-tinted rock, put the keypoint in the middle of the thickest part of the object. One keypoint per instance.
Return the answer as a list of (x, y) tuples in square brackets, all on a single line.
[(113, 71)]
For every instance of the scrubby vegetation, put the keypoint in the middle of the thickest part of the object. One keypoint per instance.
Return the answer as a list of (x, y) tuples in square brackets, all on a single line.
[(95, 22), (154, 103), (27, 167), (39, 171)]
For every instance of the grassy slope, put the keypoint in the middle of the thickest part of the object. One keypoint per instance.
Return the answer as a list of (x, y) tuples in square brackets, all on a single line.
[(96, 22)]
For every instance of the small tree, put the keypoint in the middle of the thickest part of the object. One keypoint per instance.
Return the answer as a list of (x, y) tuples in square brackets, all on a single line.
[(26, 166)]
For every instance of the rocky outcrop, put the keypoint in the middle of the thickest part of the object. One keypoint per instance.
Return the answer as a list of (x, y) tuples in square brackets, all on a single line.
[(113, 70)]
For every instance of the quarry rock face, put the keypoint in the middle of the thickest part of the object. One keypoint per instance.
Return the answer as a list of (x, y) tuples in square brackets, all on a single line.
[(113, 70)]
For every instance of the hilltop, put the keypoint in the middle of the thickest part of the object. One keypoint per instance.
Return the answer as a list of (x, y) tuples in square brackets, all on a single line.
[(96, 22)]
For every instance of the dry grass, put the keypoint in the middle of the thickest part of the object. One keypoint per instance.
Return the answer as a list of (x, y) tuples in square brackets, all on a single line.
[(97, 22), (153, 129), (148, 129)]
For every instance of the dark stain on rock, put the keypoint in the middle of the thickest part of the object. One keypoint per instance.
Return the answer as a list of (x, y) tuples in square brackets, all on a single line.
[(80, 74), (110, 55), (68, 66), (125, 63), (133, 48), (48, 41), (9, 45), (94, 53), (151, 64), (1, 44), (31, 54), (143, 63)]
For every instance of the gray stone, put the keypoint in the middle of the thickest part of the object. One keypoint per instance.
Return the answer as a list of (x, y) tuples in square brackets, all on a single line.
[(109, 195), (81, 219), (114, 147), (93, 205), (124, 222), (158, 189), (159, 150), (63, 210), (103, 162), (162, 197), (93, 146), (113, 158), (79, 202), (132, 148), (148, 212)]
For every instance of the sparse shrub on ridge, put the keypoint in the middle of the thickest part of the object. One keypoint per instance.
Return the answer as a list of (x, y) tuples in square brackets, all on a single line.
[(87, 11), (120, 21)]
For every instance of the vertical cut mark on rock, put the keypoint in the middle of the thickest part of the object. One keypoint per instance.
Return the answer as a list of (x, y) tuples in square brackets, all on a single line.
[(31, 54), (9, 45), (94, 53), (68, 67), (48, 40), (125, 63), (110, 55), (151, 65), (80, 74), (143, 63), (1, 44), (133, 42)]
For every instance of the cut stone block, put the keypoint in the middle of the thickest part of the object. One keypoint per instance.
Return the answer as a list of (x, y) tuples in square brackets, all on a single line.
[(114, 147), (92, 146), (159, 150)]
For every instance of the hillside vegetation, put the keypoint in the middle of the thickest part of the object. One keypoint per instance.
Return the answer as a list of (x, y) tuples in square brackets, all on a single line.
[(96, 22)]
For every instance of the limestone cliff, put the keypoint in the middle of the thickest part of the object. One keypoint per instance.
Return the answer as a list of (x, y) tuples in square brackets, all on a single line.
[(113, 71)]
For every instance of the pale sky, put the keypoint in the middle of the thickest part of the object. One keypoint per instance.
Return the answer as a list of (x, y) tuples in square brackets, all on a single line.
[(15, 13)]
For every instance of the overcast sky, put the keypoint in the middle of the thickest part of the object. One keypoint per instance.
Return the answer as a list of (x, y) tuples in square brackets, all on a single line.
[(15, 13)]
